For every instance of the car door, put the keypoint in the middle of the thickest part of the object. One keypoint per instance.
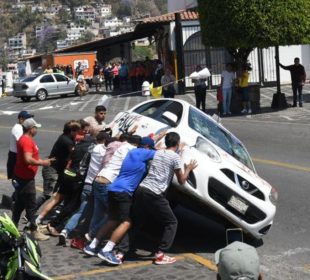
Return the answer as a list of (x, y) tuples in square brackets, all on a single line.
[(64, 84), (48, 83)]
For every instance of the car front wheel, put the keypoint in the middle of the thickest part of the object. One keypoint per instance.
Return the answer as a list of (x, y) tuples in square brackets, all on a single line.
[(25, 98), (41, 95)]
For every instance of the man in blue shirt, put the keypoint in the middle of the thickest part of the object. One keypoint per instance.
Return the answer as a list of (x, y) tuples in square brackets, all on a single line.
[(120, 192)]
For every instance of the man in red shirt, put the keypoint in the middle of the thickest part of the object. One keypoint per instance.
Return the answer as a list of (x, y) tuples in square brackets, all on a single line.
[(26, 167)]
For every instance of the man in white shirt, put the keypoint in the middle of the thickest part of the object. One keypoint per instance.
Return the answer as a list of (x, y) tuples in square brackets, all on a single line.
[(226, 83), (106, 176), (16, 133)]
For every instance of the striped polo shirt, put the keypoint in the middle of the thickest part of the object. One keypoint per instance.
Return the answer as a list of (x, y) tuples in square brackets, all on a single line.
[(161, 171)]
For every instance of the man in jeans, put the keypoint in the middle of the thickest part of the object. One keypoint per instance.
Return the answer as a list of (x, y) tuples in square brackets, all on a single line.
[(150, 197), (106, 176), (27, 162), (95, 165)]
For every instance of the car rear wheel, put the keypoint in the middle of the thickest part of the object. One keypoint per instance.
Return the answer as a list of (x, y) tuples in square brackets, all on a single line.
[(41, 95), (25, 98)]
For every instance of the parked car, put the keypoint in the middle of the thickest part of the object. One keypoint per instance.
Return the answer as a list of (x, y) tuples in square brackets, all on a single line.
[(225, 186), (44, 85)]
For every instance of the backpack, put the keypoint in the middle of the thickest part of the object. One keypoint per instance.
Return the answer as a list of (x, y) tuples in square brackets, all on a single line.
[(80, 158)]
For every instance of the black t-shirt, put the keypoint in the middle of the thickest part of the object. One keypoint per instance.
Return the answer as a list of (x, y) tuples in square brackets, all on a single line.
[(96, 70), (297, 73), (61, 151)]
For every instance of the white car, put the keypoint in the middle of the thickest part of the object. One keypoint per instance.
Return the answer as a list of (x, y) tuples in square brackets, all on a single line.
[(225, 185)]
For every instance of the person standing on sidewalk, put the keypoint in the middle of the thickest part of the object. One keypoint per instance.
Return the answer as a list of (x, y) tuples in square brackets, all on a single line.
[(200, 89), (150, 197), (226, 83), (16, 133), (244, 90), (298, 76), (27, 162)]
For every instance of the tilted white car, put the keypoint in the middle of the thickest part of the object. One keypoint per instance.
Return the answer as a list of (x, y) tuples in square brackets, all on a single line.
[(225, 185)]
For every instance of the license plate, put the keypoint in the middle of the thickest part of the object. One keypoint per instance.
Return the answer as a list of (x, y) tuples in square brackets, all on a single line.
[(238, 204)]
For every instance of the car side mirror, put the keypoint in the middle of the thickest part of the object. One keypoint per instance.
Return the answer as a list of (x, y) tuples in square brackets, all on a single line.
[(170, 118)]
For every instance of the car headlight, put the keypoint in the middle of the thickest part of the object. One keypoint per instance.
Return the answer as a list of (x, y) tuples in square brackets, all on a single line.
[(273, 196), (206, 148)]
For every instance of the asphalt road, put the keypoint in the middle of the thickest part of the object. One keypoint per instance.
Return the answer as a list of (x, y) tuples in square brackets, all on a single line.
[(277, 141)]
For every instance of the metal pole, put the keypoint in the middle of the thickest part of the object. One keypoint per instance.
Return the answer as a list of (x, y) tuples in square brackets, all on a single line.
[(278, 69), (179, 52)]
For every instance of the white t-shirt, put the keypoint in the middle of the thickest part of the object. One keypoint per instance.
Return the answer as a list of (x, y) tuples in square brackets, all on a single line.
[(95, 163), (112, 168), (161, 171), (16, 133), (228, 78), (94, 123), (80, 78)]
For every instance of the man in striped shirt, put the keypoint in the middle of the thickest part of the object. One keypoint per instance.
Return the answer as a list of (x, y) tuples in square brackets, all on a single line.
[(150, 197)]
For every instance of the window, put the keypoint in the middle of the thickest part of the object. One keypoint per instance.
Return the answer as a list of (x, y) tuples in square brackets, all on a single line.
[(47, 79), (174, 107), (199, 122), (150, 109), (60, 78)]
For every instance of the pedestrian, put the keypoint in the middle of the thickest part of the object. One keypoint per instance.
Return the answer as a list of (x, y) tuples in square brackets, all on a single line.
[(200, 89), (78, 70), (123, 76), (16, 133), (95, 165), (238, 260), (97, 121), (227, 78), (219, 98), (105, 177), (120, 197), (108, 76), (244, 89), (82, 85), (168, 83), (150, 201), (96, 75), (26, 167), (53, 174), (158, 73), (115, 73), (48, 70), (69, 71), (298, 77)]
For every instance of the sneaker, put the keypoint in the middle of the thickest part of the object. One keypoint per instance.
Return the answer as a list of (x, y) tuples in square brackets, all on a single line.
[(88, 238), (164, 259), (52, 230), (109, 257), (244, 111), (62, 238), (250, 111), (39, 235), (119, 256), (90, 251), (78, 243)]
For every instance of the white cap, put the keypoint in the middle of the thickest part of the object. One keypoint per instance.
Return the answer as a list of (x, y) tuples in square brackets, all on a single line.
[(29, 123)]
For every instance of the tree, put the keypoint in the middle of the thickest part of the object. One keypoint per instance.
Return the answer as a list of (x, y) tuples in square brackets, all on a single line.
[(242, 25)]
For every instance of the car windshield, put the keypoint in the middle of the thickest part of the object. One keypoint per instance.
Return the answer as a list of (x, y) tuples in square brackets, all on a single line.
[(29, 79), (199, 122)]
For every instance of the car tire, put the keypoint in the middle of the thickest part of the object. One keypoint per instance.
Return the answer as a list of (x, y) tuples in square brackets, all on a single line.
[(63, 95), (41, 95), (25, 98)]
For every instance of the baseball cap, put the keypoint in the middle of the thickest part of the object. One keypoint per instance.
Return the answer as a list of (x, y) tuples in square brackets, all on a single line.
[(237, 261), (25, 115), (147, 141), (29, 123)]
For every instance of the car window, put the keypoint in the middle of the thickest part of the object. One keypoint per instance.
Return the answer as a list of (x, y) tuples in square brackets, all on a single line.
[(199, 122), (173, 107), (60, 78), (47, 79), (29, 79), (150, 109)]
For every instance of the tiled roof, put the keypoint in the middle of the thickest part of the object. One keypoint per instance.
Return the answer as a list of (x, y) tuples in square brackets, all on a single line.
[(185, 15)]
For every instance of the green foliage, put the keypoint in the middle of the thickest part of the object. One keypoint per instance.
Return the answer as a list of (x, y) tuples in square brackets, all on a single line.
[(241, 25), (141, 52)]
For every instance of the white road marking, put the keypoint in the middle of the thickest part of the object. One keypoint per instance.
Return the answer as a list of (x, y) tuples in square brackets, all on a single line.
[(266, 96), (212, 94), (192, 98), (87, 102), (10, 113), (287, 118)]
